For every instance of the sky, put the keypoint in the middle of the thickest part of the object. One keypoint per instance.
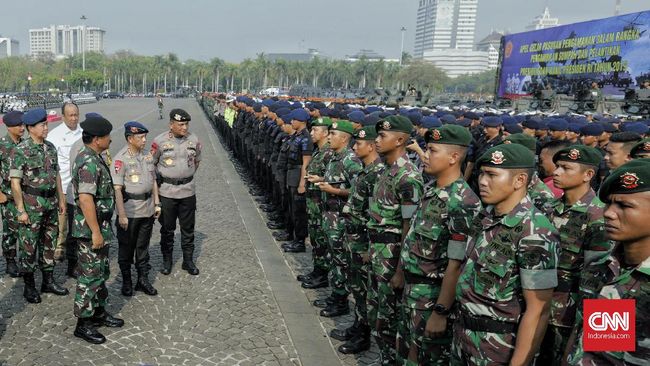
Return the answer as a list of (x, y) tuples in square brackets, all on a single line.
[(237, 29)]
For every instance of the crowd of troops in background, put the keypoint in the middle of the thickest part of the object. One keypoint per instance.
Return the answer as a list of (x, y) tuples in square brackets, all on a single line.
[(462, 237), (59, 191)]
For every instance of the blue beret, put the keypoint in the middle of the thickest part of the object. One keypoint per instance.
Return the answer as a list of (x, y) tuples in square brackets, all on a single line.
[(415, 117), (638, 127), (324, 112), (283, 111), (558, 124), (575, 127), (430, 122), (464, 122), (608, 127), (373, 109), (385, 114), (13, 118), (472, 115), (267, 102), (448, 118), (532, 124), (134, 128), (513, 128), (284, 104), (34, 116), (508, 120), (357, 117), (591, 129), (300, 114), (519, 118), (492, 121), (296, 105), (542, 125), (257, 107), (371, 119)]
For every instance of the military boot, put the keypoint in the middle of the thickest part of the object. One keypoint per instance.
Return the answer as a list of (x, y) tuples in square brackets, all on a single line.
[(315, 282), (127, 282), (167, 264), (86, 331), (12, 268), (360, 341), (188, 262), (102, 318), (52, 287), (72, 269), (323, 302), (347, 333), (308, 276), (144, 285), (338, 308), (30, 293), (298, 246)]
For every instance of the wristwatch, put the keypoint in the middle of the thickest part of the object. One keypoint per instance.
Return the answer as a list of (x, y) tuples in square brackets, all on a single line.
[(441, 309)]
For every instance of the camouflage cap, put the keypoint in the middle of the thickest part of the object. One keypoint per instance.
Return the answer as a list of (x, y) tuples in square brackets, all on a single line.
[(394, 124), (343, 126), (642, 149), (323, 121), (507, 156), (631, 177), (449, 135), (522, 139), (368, 133), (579, 154)]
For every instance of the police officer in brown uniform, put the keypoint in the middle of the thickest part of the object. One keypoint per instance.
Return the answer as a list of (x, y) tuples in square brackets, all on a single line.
[(176, 155), (137, 202)]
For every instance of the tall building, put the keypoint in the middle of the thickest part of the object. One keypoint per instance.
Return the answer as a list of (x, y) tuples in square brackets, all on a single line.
[(458, 62), (9, 47), (445, 24), (65, 40), (491, 44), (543, 21)]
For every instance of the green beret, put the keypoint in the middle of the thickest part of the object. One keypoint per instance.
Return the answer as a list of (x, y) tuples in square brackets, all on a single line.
[(522, 139), (395, 124), (449, 135), (579, 154), (631, 177), (368, 133), (641, 149), (507, 156), (323, 121), (342, 125)]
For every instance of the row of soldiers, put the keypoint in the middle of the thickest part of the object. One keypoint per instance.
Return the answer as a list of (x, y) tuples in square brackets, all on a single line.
[(441, 272), (59, 192)]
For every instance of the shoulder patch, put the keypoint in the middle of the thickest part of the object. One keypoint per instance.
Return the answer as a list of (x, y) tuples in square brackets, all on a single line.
[(118, 166)]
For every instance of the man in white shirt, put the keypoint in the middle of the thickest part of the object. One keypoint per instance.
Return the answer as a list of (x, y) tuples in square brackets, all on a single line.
[(64, 137)]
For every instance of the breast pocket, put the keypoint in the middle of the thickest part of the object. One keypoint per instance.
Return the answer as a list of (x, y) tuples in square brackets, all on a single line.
[(493, 276), (168, 158), (34, 167)]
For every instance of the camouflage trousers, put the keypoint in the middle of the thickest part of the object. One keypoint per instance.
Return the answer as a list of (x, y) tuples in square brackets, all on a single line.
[(317, 236), (416, 310), (356, 245), (481, 348), (37, 241), (553, 345), (9, 229), (91, 284), (383, 301), (334, 227)]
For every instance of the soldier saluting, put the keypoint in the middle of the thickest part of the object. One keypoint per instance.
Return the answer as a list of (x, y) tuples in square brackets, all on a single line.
[(176, 155)]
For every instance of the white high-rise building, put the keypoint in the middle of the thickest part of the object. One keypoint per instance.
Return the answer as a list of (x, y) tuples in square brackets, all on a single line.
[(543, 21), (65, 40), (491, 44), (445, 24), (8, 47)]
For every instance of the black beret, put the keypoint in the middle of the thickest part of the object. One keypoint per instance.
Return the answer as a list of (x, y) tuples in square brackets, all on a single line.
[(96, 126), (179, 115)]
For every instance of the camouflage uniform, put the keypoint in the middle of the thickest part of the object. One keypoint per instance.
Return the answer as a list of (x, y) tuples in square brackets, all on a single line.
[(439, 232), (36, 165), (91, 175), (540, 193), (582, 240), (341, 171), (394, 199), (622, 282), (317, 236), (357, 243), (8, 209), (512, 253)]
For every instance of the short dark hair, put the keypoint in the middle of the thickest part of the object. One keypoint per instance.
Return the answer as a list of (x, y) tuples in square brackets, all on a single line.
[(86, 138), (528, 171), (67, 104), (554, 146), (628, 139)]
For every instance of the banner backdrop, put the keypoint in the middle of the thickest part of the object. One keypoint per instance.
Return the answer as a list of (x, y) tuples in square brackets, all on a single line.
[(614, 52)]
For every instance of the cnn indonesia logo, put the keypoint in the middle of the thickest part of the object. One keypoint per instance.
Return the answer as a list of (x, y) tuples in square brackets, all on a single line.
[(609, 325)]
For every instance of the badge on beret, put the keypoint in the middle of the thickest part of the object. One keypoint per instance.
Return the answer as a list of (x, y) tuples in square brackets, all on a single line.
[(362, 134), (178, 117), (630, 180), (334, 125), (118, 166), (436, 135), (574, 154), (386, 125), (497, 158), (135, 130), (320, 120)]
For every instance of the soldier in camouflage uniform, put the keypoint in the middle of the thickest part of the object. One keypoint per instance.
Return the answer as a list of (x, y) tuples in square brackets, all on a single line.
[(341, 170), (434, 249), (15, 131), (394, 199), (578, 217), (506, 285), (357, 243), (37, 194), (94, 196), (316, 167), (626, 273)]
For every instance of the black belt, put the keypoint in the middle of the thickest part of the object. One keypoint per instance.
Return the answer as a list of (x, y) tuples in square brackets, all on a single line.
[(567, 286), (421, 280), (141, 196), (48, 193), (384, 237), (177, 181), (485, 324)]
